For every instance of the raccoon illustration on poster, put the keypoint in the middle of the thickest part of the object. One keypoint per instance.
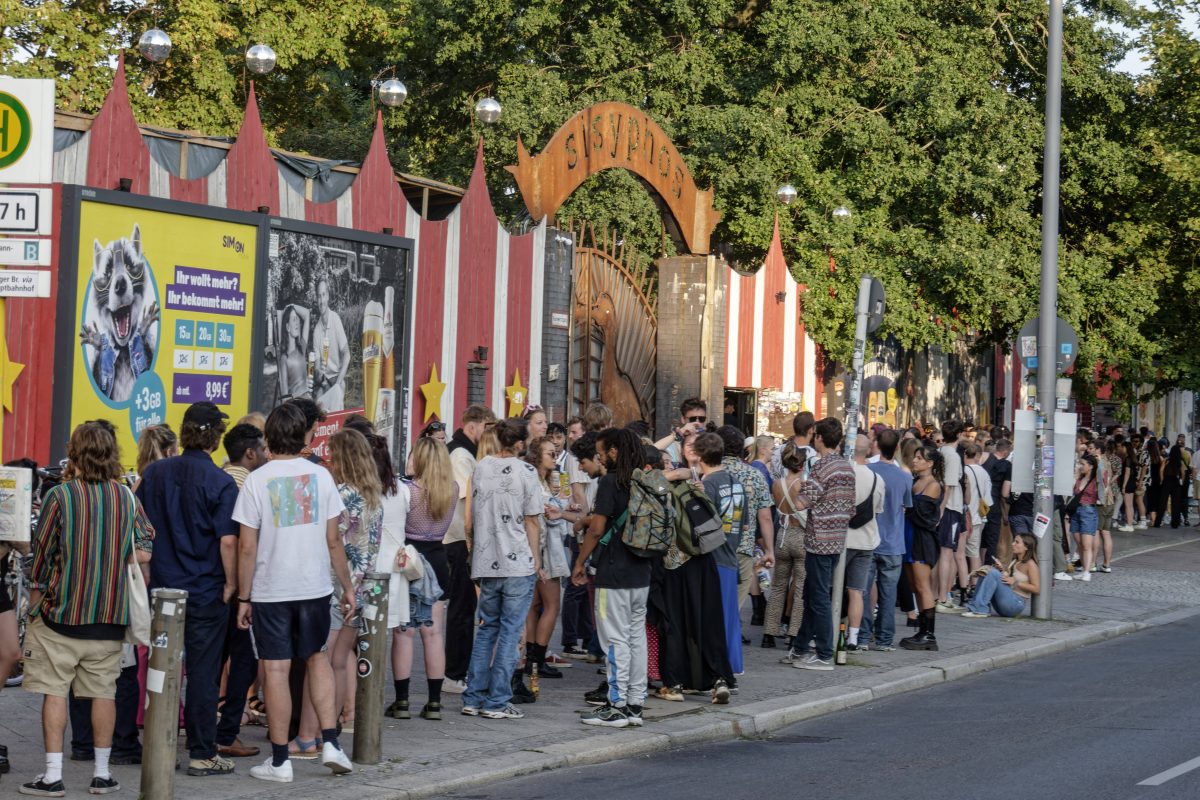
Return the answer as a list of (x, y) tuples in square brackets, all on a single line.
[(122, 333)]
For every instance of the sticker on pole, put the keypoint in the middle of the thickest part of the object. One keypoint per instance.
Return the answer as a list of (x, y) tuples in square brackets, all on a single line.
[(1040, 523), (364, 668)]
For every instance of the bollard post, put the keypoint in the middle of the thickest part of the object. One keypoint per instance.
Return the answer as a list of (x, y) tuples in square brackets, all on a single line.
[(159, 738), (371, 668)]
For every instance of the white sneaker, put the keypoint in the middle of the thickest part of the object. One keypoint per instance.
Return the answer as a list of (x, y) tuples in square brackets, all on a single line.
[(1142, 525), (1085, 576), (267, 771), (815, 663), (508, 712), (451, 686), (1062, 576), (1103, 568), (336, 759), (1125, 528)]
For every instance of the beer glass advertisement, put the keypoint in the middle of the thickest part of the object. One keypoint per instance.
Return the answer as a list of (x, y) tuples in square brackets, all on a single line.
[(334, 318), (162, 317)]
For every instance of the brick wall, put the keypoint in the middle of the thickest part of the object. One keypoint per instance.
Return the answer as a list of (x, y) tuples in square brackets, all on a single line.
[(556, 339)]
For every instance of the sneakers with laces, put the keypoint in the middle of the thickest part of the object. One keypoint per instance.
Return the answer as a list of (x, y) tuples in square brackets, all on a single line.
[(815, 663), (1103, 569), (38, 787), (1062, 576), (451, 686), (470, 711), (597, 696), (672, 693), (508, 712), (605, 716), (267, 771), (791, 658), (336, 759), (555, 660), (217, 765), (109, 784), (974, 615), (1084, 576), (574, 651), (884, 648), (948, 607), (720, 692), (634, 713)]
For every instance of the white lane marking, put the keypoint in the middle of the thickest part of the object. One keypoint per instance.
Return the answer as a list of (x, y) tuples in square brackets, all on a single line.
[(1173, 772), (1155, 548)]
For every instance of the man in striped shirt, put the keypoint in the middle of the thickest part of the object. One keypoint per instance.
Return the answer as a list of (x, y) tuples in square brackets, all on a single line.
[(78, 600)]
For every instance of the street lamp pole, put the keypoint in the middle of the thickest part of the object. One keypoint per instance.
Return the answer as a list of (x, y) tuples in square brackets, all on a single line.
[(1047, 364)]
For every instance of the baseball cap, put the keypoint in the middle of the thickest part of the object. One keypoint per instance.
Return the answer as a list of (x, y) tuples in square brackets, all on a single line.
[(204, 414)]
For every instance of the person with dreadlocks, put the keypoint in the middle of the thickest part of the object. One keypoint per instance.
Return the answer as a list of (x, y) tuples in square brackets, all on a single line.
[(622, 583)]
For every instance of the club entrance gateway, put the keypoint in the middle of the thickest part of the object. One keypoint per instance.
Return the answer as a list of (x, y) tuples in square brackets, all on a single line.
[(490, 309)]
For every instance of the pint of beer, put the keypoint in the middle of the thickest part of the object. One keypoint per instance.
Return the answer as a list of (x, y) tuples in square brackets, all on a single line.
[(372, 356), (389, 339)]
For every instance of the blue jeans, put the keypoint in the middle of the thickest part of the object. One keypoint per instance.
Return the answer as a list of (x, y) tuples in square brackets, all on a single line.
[(817, 622), (991, 593), (503, 605), (884, 574)]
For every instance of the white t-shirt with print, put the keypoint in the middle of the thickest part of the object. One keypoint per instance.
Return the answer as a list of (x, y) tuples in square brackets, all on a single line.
[(503, 492), (290, 501)]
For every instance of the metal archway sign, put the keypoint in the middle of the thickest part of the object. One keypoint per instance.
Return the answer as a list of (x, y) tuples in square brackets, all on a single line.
[(616, 135)]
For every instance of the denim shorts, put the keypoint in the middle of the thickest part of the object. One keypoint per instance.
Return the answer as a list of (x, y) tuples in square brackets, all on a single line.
[(858, 568), (1085, 520), (290, 629)]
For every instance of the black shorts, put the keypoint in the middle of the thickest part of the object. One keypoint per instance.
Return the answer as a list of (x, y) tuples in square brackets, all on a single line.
[(290, 628), (925, 547), (435, 554), (950, 528)]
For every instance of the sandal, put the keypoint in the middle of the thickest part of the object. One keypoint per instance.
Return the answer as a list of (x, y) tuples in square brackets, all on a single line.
[(304, 749), (255, 713)]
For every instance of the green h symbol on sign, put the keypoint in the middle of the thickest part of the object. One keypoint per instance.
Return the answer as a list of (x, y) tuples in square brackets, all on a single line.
[(31, 250), (5, 113)]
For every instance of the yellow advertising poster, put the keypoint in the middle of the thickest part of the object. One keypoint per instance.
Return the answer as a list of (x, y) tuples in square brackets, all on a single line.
[(164, 305)]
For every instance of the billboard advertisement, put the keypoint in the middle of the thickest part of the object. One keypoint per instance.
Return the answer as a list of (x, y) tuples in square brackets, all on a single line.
[(160, 314), (335, 325)]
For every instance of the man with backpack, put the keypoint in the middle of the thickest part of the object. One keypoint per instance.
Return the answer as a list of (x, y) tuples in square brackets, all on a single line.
[(622, 583)]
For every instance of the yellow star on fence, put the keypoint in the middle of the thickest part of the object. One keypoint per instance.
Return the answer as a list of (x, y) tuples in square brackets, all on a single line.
[(9, 370), (433, 394), (517, 395)]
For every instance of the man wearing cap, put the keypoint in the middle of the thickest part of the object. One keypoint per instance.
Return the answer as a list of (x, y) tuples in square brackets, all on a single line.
[(190, 501)]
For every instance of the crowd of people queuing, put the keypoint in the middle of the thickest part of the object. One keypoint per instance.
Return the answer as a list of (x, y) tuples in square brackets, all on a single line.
[(502, 532)]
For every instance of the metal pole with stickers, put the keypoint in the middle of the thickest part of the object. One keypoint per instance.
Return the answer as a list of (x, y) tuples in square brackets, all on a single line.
[(371, 668)]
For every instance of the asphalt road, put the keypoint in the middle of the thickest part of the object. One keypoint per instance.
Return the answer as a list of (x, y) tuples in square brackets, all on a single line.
[(1093, 723)]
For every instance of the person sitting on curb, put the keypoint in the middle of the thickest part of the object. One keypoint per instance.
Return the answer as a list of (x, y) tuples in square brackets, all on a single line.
[(1008, 591)]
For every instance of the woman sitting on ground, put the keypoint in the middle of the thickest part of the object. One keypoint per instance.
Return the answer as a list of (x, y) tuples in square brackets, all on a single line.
[(1007, 591)]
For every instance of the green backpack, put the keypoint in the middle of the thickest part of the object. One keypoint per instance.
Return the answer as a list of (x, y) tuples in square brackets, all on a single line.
[(698, 525), (650, 524)]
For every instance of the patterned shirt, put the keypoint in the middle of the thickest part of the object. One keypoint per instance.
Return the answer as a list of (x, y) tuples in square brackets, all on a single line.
[(360, 531), (829, 496), (83, 540), (758, 497)]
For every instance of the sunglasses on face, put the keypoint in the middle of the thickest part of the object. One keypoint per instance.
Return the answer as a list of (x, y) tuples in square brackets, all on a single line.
[(697, 419)]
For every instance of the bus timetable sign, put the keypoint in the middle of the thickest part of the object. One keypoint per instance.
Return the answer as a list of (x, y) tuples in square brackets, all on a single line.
[(26, 130)]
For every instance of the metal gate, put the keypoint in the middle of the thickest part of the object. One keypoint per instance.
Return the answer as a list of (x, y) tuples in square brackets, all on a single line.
[(614, 327)]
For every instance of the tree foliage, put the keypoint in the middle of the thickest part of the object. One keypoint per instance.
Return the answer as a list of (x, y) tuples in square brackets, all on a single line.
[(925, 118)]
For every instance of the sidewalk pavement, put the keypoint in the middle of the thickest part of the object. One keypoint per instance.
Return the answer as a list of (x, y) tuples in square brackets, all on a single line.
[(1155, 581)]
